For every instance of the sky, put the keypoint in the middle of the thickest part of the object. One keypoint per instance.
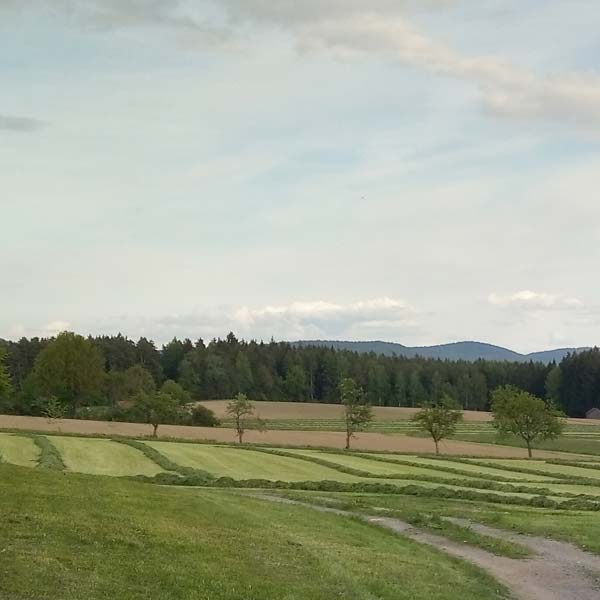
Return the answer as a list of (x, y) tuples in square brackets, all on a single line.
[(417, 171)]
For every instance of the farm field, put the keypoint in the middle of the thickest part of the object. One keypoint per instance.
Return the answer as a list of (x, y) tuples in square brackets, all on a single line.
[(102, 457), (225, 536), (18, 450), (308, 468), (244, 464), (332, 412), (99, 539), (372, 441), (576, 439)]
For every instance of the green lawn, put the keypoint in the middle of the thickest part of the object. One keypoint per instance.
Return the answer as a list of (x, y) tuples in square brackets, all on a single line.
[(103, 457), (18, 450), (70, 537)]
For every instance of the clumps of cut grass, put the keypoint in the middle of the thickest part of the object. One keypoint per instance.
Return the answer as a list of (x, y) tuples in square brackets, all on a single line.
[(167, 464), (50, 457), (198, 480), (473, 483), (444, 468), (576, 479)]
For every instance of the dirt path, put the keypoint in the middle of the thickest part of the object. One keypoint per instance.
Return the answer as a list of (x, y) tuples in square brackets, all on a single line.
[(330, 439), (557, 570)]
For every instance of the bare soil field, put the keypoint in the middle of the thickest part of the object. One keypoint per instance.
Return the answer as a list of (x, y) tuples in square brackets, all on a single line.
[(315, 410), (332, 439)]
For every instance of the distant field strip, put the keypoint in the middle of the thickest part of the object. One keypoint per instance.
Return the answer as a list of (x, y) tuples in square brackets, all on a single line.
[(223, 461), (549, 468), (18, 450), (373, 466), (103, 457), (401, 426), (498, 481)]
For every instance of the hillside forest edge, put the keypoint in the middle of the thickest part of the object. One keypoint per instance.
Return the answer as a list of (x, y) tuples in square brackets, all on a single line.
[(96, 376)]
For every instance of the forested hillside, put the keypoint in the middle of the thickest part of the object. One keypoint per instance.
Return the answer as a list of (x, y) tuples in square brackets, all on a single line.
[(454, 351), (108, 371)]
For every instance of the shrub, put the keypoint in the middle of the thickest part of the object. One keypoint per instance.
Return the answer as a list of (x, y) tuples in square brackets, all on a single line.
[(203, 417)]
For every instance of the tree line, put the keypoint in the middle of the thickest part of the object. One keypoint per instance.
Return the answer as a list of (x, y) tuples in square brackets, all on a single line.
[(100, 377)]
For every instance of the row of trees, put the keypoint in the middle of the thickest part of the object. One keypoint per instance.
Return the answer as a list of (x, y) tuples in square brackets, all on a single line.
[(109, 371), (77, 362), (515, 412)]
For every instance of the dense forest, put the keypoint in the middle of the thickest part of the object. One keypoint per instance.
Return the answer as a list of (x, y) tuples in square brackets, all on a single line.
[(96, 374)]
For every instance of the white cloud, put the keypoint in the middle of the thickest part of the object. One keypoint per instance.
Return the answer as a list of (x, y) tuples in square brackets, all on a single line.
[(55, 327), (380, 317), (354, 29), (527, 299), (505, 89)]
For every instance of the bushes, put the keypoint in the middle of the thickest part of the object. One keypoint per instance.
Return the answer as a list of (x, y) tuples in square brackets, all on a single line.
[(203, 417), (50, 457)]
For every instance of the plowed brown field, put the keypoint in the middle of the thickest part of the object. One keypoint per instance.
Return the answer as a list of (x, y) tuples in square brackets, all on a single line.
[(332, 439)]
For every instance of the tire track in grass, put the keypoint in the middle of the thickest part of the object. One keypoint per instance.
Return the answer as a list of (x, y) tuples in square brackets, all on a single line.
[(556, 570)]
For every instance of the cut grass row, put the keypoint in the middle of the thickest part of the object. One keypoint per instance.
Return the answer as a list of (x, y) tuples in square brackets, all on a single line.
[(201, 465)]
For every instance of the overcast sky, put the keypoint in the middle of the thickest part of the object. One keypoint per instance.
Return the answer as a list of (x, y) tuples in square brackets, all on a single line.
[(413, 171)]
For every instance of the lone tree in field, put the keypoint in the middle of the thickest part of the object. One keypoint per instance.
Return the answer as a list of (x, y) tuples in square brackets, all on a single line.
[(240, 408), (157, 408), (54, 410), (357, 413), (522, 414), (439, 419)]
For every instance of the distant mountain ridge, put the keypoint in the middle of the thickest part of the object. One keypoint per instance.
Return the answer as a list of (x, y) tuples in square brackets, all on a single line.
[(470, 351)]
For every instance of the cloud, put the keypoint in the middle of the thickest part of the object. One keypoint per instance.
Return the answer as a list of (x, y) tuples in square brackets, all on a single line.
[(505, 89), (379, 317), (527, 299), (19, 124), (355, 29), (55, 327)]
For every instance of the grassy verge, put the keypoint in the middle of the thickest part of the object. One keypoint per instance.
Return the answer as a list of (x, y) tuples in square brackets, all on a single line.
[(429, 521), (100, 538), (578, 527)]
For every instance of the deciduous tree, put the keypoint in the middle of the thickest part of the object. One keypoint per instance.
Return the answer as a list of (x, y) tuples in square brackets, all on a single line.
[(70, 368), (439, 419), (357, 413), (157, 408), (240, 409), (522, 414)]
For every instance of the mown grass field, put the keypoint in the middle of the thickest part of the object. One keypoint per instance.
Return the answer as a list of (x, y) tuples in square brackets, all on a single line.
[(83, 517), (103, 538), (500, 480)]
